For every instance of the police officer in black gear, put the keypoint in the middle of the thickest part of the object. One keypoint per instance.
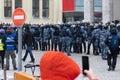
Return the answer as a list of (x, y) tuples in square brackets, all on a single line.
[(37, 37), (56, 39), (66, 39), (89, 38), (78, 40), (113, 44)]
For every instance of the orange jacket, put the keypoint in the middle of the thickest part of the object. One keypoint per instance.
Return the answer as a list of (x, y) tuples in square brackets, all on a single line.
[(58, 66)]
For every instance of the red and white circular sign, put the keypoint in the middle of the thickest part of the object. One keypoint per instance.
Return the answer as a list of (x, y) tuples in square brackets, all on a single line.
[(18, 17)]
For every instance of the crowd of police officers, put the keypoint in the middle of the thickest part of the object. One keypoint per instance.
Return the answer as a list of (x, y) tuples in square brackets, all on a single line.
[(72, 38)]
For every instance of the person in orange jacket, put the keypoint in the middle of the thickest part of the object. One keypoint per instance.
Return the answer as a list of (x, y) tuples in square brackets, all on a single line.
[(55, 65)]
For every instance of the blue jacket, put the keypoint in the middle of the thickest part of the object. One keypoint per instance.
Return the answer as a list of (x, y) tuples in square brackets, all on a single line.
[(10, 41)]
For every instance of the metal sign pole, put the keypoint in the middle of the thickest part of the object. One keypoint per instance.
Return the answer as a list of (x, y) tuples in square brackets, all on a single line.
[(19, 49), (18, 18), (5, 77)]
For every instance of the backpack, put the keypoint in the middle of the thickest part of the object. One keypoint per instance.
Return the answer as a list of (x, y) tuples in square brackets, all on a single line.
[(113, 44)]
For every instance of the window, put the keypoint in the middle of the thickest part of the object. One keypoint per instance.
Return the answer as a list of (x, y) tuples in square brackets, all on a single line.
[(7, 8), (97, 10), (97, 5), (45, 6), (18, 3), (35, 8), (79, 5)]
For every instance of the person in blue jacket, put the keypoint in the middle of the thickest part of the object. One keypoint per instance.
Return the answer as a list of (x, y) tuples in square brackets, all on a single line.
[(10, 47)]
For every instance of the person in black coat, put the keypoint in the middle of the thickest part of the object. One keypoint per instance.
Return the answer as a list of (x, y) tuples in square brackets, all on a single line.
[(28, 41)]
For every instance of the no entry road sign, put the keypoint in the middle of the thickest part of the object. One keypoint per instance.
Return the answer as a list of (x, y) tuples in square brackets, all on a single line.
[(18, 17)]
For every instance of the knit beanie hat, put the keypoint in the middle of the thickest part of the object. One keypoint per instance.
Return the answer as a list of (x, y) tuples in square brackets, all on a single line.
[(58, 66), (9, 29), (2, 31)]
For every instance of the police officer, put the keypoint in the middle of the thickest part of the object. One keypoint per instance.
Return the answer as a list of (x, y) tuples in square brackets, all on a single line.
[(66, 39), (2, 46), (52, 30), (56, 38), (84, 37), (73, 31), (40, 38), (37, 37), (89, 38), (118, 32), (96, 38), (104, 34), (78, 40), (113, 44), (45, 37)]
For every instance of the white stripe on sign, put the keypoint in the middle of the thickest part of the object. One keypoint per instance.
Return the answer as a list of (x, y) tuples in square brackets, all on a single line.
[(18, 17)]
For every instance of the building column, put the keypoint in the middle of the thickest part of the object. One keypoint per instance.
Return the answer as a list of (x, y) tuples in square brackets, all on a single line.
[(27, 7), (60, 11), (55, 11), (88, 11), (40, 9), (13, 5), (1, 11), (106, 11)]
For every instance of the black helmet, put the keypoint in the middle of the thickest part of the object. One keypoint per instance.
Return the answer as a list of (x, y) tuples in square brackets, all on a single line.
[(113, 31)]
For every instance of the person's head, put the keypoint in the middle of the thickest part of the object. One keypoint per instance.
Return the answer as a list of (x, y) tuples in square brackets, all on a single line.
[(58, 66), (2, 31), (27, 28), (113, 31), (9, 30)]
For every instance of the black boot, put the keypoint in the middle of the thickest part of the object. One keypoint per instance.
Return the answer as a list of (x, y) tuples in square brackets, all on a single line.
[(110, 68)]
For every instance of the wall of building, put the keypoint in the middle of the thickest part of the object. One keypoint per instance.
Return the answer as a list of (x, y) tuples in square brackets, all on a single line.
[(55, 12), (116, 10), (56, 8), (68, 5), (1, 11)]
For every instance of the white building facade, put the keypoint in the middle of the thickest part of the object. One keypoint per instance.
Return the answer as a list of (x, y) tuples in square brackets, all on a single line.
[(110, 10), (37, 11), (50, 11)]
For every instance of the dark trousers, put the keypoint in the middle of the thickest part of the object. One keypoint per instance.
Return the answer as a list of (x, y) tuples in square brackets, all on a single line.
[(28, 51), (88, 47), (2, 55), (84, 45), (112, 58), (44, 46)]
